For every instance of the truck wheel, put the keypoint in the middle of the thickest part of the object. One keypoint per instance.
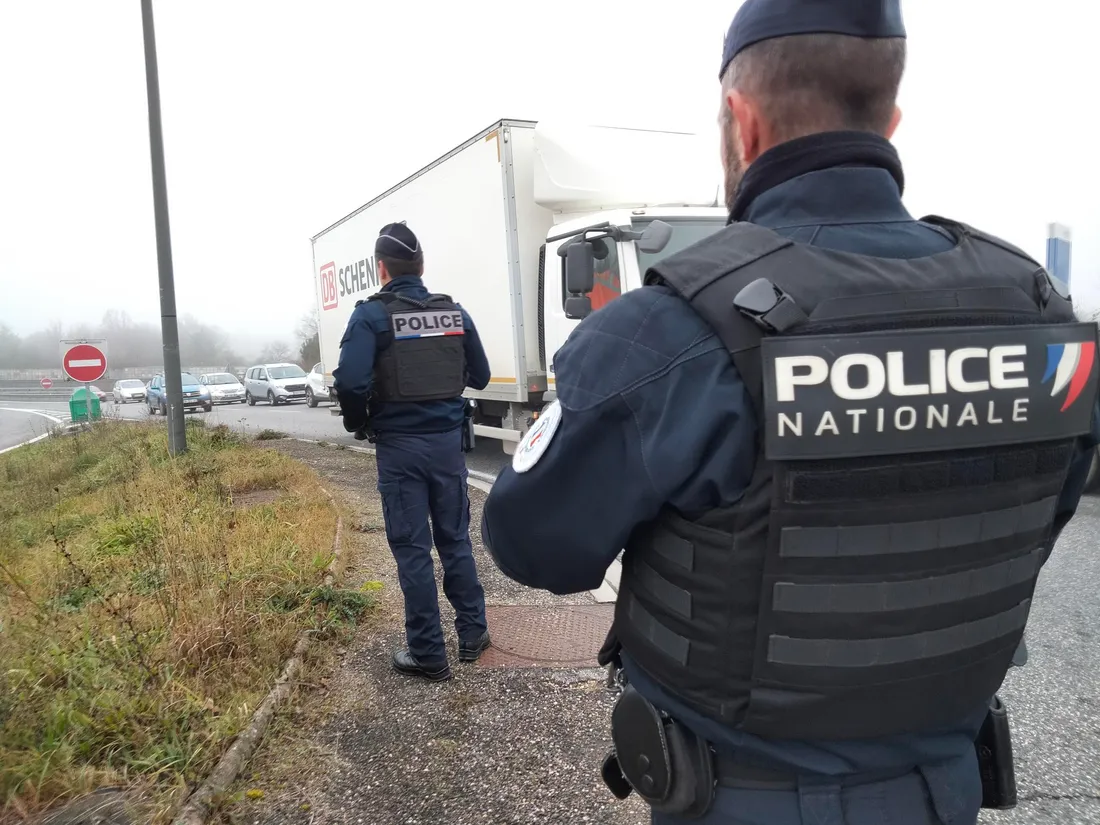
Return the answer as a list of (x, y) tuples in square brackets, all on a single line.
[(1094, 472), (249, 400), (310, 400), (151, 410), (271, 398)]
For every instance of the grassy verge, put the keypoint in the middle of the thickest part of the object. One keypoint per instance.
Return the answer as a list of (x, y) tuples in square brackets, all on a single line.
[(147, 603)]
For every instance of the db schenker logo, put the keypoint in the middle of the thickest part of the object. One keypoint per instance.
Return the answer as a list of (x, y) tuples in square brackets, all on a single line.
[(1069, 365), (329, 300)]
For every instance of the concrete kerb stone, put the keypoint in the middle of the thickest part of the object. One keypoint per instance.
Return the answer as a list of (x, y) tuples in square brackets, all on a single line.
[(199, 805)]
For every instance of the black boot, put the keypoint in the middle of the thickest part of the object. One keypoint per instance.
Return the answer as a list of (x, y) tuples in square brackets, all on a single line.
[(405, 662), (471, 651)]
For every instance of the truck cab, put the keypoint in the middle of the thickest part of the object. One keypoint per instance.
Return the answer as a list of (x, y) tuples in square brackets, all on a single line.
[(618, 265)]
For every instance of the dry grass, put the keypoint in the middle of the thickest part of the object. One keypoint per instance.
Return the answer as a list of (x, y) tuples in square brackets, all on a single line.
[(144, 610)]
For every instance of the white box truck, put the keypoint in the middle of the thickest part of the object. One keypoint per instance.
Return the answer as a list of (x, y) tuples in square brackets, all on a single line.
[(494, 216)]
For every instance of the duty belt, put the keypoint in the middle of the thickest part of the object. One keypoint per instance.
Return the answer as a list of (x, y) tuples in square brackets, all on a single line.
[(732, 773)]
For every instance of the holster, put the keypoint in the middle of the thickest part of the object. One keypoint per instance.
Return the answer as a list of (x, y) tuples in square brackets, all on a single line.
[(994, 747), (670, 767)]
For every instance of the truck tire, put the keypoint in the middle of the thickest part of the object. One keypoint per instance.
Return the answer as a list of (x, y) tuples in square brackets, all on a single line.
[(271, 398), (248, 399), (311, 400)]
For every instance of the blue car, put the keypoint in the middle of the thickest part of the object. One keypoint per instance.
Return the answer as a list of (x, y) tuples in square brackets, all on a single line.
[(195, 395)]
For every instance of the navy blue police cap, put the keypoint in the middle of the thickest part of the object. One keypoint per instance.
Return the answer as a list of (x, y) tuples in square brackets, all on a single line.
[(398, 241), (759, 20)]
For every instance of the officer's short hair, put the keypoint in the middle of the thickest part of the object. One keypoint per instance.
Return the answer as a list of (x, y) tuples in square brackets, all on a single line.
[(811, 83), (396, 267)]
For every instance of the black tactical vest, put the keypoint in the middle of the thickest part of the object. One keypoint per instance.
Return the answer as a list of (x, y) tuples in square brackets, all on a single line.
[(916, 422), (426, 360)]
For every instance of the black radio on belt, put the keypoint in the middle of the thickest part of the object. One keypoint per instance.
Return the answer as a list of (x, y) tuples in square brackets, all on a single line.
[(669, 766)]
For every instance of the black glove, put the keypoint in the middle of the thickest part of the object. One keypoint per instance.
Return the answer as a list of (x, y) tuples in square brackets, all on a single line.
[(353, 411)]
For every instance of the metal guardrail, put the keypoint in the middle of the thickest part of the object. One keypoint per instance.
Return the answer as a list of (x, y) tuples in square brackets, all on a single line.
[(37, 394)]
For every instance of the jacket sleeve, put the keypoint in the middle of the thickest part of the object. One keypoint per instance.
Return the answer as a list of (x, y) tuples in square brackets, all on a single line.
[(1077, 479), (353, 378), (477, 363), (652, 412)]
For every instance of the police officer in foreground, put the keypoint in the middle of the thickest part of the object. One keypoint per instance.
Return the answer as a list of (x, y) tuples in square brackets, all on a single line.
[(837, 445), (405, 359)]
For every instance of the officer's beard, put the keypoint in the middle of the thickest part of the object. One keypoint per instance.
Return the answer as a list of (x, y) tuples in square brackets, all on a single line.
[(731, 160)]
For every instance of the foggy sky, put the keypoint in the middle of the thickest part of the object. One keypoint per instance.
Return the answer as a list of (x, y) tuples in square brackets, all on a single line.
[(282, 117)]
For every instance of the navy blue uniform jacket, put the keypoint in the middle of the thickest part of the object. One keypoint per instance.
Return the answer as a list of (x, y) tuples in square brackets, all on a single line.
[(368, 333), (654, 412)]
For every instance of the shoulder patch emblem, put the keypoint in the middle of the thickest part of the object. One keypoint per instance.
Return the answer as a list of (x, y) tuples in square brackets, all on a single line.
[(537, 439)]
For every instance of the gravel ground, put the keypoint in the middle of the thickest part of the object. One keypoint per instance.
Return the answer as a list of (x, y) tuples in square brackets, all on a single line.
[(523, 746), (490, 747)]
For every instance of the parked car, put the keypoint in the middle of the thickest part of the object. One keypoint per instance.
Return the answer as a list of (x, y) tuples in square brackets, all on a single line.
[(195, 395), (128, 389), (316, 390), (224, 387), (275, 383)]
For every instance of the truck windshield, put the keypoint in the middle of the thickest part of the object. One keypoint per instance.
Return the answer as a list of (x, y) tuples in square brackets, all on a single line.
[(684, 234)]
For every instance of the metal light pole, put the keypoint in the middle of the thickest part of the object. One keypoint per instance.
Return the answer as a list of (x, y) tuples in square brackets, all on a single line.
[(173, 378)]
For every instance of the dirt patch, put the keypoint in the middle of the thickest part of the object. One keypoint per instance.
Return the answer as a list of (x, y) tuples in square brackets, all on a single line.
[(494, 746), (254, 498)]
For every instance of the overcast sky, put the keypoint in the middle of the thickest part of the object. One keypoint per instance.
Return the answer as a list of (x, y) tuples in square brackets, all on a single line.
[(280, 117)]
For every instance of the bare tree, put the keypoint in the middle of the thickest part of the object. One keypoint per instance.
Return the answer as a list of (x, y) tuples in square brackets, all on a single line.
[(274, 352), (309, 342)]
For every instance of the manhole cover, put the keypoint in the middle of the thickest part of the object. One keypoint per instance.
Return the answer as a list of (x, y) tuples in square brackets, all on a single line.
[(536, 636)]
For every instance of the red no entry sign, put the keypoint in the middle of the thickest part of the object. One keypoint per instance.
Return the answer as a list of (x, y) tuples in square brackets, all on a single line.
[(46, 383), (84, 363)]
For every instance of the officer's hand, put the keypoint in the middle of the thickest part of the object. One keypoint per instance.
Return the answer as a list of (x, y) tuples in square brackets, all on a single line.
[(360, 434)]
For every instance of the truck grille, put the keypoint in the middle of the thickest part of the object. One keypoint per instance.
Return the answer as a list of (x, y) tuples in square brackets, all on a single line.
[(295, 387)]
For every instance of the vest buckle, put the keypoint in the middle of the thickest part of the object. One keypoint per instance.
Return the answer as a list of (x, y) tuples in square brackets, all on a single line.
[(769, 307)]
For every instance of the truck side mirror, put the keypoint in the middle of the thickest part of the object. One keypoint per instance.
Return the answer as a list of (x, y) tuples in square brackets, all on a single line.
[(655, 237), (580, 268), (578, 307)]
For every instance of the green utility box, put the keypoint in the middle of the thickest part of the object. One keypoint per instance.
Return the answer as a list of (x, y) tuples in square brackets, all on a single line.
[(78, 405)]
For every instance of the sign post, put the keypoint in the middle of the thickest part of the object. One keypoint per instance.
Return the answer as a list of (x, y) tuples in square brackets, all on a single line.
[(1059, 250), (84, 360)]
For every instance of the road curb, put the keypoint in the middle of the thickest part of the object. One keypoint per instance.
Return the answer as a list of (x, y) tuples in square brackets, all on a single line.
[(199, 805)]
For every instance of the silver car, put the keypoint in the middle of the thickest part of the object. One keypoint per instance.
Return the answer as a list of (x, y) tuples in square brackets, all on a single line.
[(128, 389), (275, 384), (224, 387), (316, 389)]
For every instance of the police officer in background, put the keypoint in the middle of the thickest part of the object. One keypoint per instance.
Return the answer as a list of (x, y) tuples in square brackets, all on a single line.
[(837, 445), (405, 359)]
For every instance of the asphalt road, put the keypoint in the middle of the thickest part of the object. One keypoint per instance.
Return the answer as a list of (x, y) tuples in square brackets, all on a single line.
[(296, 420), (18, 424), (1053, 701)]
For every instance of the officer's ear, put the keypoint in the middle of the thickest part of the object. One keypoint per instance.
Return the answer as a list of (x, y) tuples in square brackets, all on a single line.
[(383, 275), (751, 129), (895, 119)]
